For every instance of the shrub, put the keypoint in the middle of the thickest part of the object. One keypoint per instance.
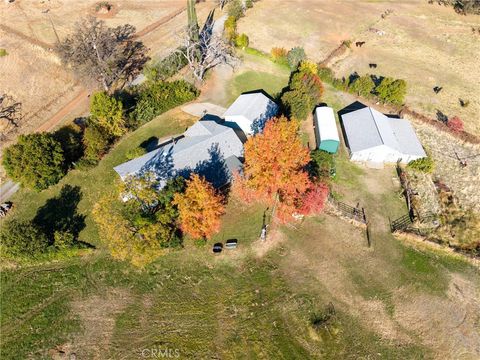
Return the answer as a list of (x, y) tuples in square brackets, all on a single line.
[(279, 55), (248, 4), (326, 74), (321, 165), (70, 138), (3, 52), (95, 143), (314, 200), (230, 28), (235, 9), (425, 165), (157, 97), (392, 91), (36, 161), (295, 56), (455, 124), (363, 86), (135, 152), (165, 68), (107, 114), (241, 41), (347, 43), (23, 238), (308, 67)]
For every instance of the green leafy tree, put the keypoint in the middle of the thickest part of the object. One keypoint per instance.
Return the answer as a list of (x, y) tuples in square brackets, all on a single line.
[(36, 161), (70, 138), (305, 91), (321, 164), (242, 41), (392, 91), (363, 86), (95, 143), (106, 112), (230, 29), (142, 228), (22, 238), (295, 56), (235, 9)]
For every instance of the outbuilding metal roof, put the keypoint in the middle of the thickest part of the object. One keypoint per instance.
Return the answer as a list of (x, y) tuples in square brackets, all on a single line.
[(252, 106), (367, 128), (325, 123)]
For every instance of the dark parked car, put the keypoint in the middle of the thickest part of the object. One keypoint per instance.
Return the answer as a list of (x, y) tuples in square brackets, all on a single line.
[(217, 248), (231, 243)]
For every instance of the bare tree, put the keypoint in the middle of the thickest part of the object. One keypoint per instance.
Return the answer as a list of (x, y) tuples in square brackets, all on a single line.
[(209, 51), (108, 56), (10, 112)]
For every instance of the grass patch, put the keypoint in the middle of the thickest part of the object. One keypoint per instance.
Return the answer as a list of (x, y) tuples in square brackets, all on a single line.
[(254, 80), (3, 52), (373, 290), (422, 271)]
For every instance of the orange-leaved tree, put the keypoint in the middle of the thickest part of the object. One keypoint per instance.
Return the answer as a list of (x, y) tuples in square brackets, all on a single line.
[(200, 208), (275, 162)]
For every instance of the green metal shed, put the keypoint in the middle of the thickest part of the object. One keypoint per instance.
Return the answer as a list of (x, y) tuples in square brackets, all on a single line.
[(326, 129)]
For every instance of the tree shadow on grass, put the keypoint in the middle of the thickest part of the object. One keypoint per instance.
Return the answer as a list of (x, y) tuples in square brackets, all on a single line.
[(60, 214)]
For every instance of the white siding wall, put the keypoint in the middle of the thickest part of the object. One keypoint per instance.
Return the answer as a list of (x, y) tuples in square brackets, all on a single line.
[(382, 154), (242, 122)]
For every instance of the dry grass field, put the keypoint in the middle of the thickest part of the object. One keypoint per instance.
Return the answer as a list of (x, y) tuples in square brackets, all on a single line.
[(32, 73), (427, 45)]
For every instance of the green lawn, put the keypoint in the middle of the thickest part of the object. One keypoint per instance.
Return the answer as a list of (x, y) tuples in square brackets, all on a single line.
[(255, 80)]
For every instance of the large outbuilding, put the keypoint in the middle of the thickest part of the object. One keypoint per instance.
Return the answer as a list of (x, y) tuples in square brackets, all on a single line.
[(374, 137), (250, 111), (326, 129)]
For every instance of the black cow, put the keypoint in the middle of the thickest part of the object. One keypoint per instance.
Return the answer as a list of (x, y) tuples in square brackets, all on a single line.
[(437, 89), (372, 66), (359, 43)]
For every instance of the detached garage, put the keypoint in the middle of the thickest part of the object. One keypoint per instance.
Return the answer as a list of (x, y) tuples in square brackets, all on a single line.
[(326, 129), (374, 137), (250, 112)]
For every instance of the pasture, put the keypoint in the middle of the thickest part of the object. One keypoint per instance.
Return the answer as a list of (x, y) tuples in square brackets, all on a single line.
[(427, 45)]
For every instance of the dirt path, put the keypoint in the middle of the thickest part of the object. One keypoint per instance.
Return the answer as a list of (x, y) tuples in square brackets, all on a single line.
[(81, 98), (27, 38), (152, 27)]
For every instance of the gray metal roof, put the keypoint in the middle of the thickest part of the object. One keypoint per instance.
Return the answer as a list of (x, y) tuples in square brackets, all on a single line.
[(252, 106), (207, 148), (367, 128)]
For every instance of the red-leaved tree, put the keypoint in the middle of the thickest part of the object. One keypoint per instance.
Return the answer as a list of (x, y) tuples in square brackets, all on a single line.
[(314, 200), (274, 168), (455, 124)]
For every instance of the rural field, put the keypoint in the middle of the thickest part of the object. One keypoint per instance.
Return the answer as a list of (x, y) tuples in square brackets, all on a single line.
[(389, 300), (426, 45), (322, 285)]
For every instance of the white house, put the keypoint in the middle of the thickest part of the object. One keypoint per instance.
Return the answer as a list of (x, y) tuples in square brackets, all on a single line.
[(374, 137), (208, 148), (326, 129), (251, 111)]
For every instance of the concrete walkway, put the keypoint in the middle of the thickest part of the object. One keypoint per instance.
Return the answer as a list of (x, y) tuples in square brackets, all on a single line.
[(7, 189), (200, 109)]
